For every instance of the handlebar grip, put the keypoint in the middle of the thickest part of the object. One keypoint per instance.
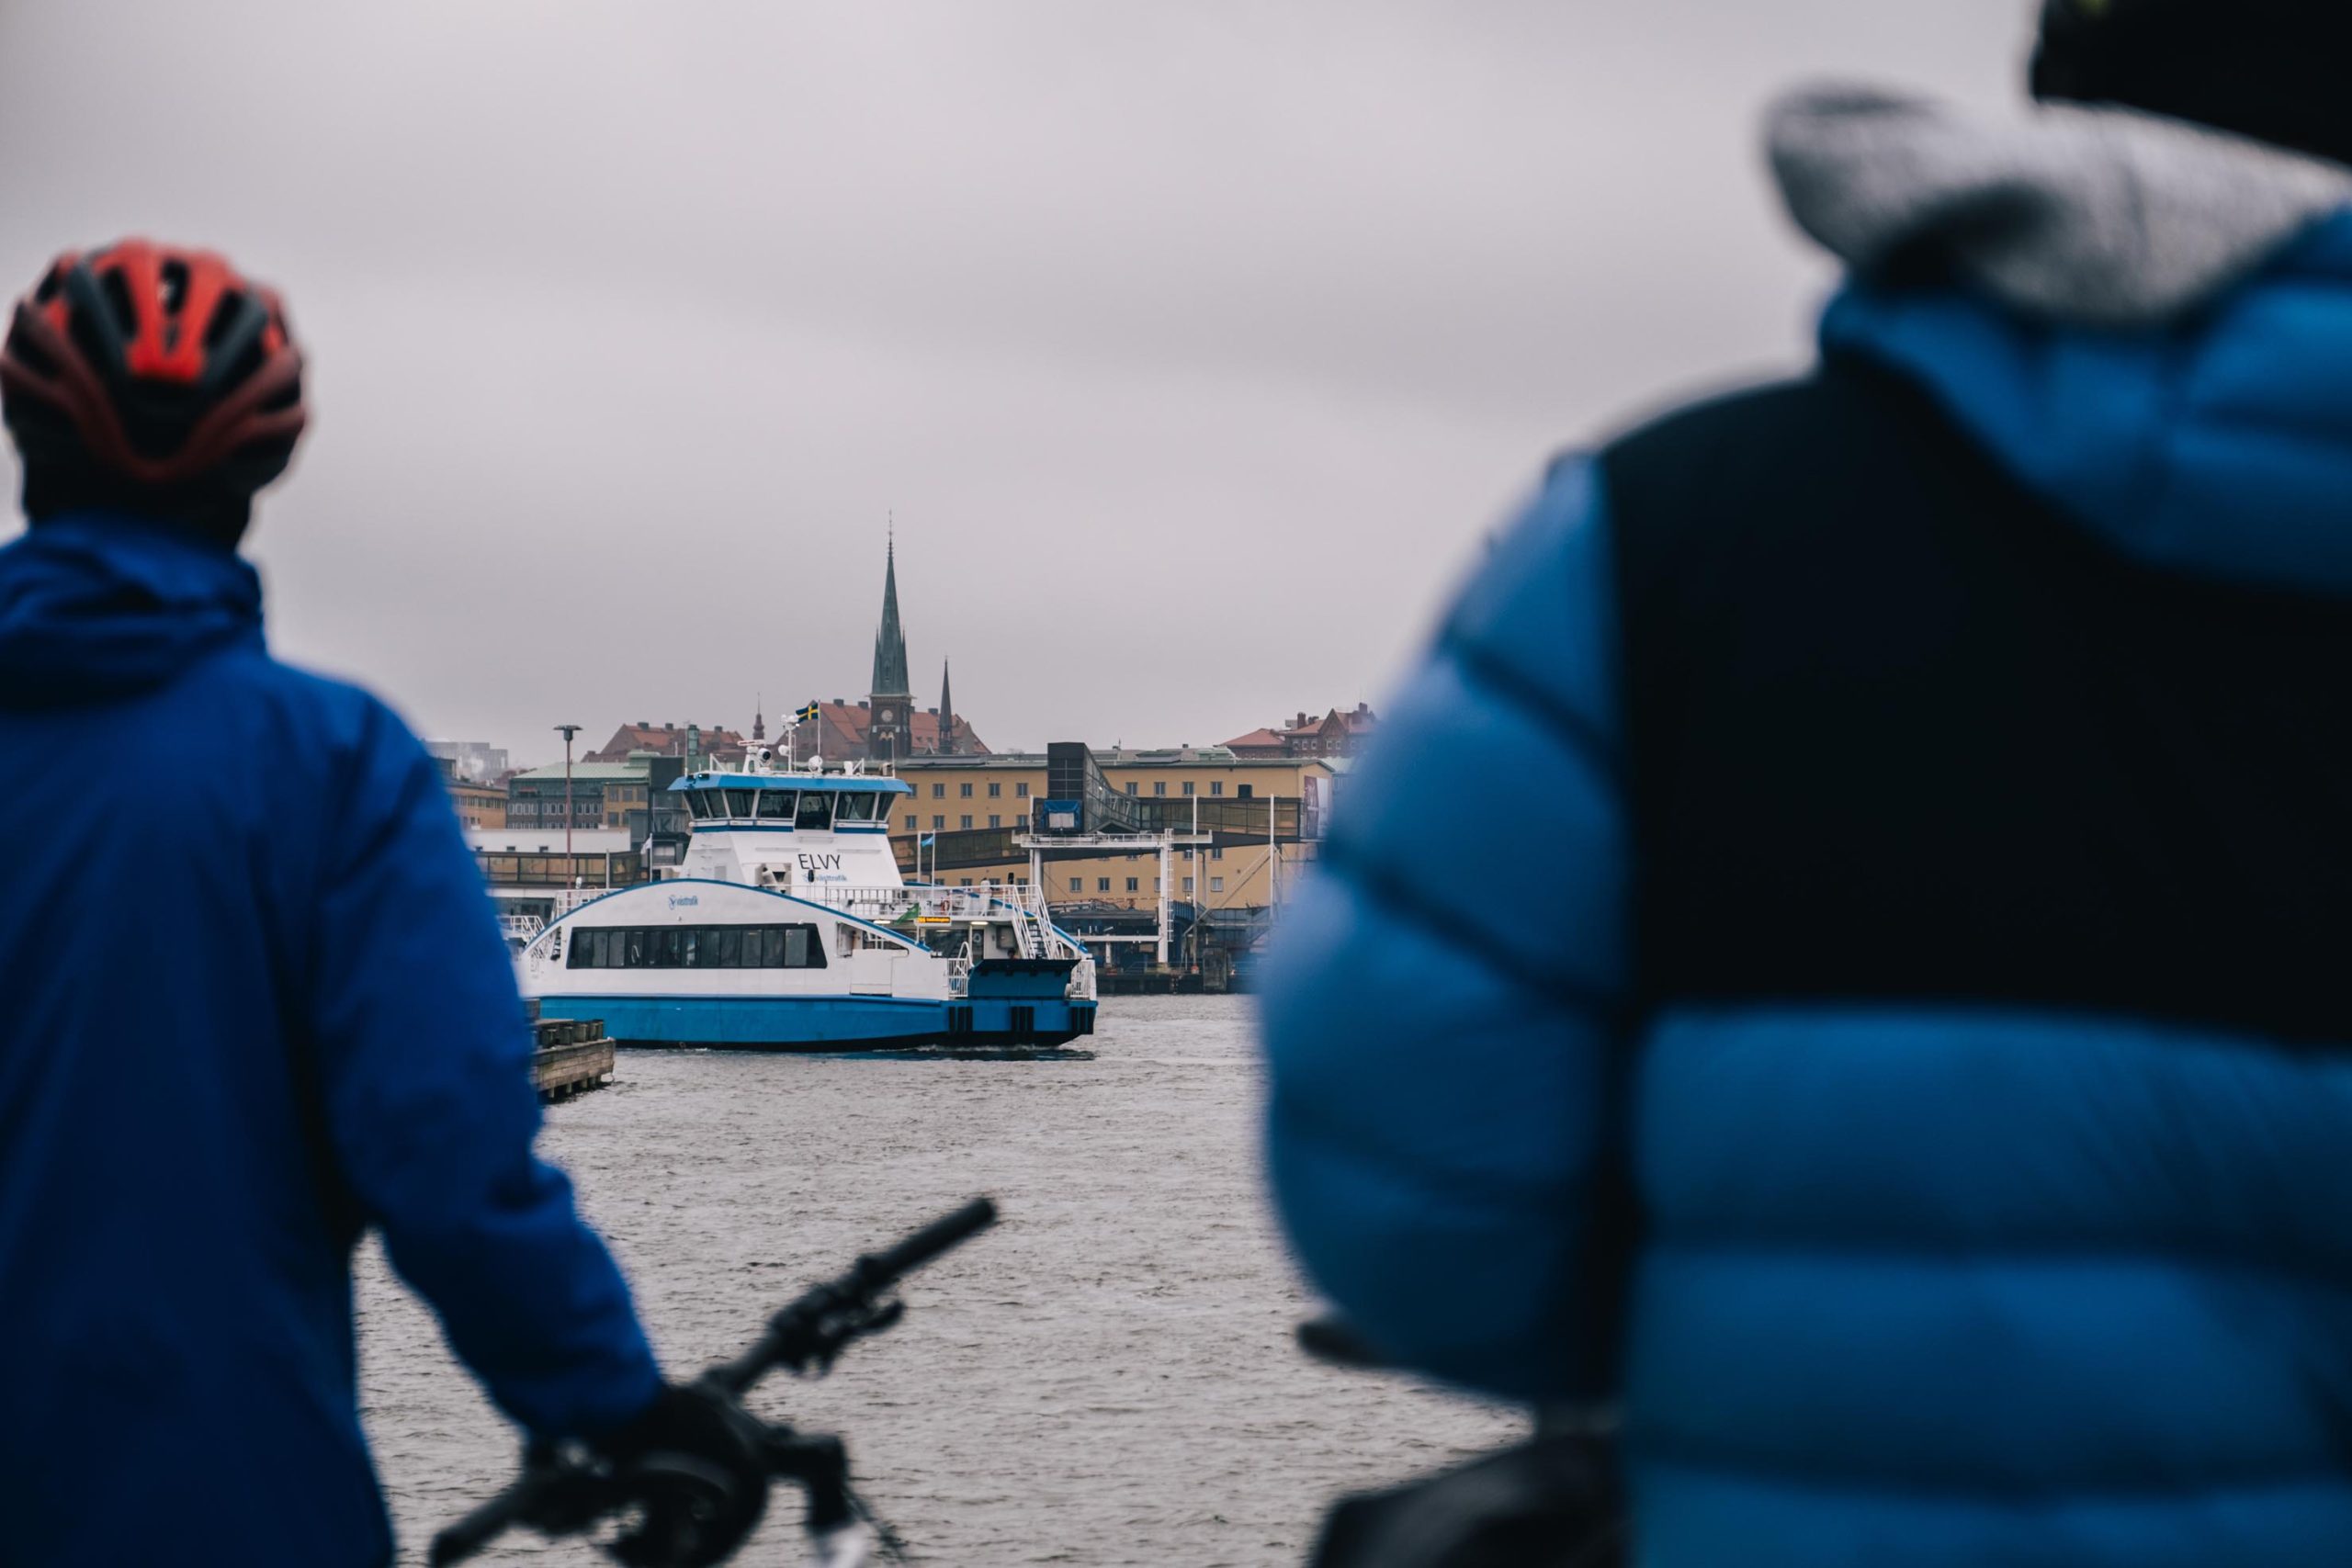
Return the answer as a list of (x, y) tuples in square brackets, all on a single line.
[(485, 1524), (1333, 1340), (943, 1236)]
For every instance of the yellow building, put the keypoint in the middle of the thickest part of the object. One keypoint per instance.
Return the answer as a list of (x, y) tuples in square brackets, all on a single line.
[(477, 805), (959, 795)]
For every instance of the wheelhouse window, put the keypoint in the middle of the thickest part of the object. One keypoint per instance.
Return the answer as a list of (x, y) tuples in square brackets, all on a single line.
[(698, 805), (739, 803), (696, 947), (776, 804), (816, 810), (857, 806)]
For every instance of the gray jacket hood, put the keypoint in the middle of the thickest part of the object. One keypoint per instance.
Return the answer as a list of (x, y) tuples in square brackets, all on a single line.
[(2104, 217)]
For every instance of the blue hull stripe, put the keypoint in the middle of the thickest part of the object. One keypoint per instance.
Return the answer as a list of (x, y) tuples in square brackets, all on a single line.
[(810, 1022)]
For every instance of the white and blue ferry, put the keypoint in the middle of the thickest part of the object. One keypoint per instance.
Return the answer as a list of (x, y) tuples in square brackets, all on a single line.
[(788, 928)]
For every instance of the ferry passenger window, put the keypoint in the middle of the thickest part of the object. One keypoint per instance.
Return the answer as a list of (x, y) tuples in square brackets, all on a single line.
[(730, 948), (582, 955), (771, 946), (739, 803), (816, 810), (674, 948), (796, 948), (636, 955), (601, 949), (775, 805), (693, 956)]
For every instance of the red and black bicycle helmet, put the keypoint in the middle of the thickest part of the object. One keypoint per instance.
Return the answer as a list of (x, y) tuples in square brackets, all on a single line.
[(145, 370)]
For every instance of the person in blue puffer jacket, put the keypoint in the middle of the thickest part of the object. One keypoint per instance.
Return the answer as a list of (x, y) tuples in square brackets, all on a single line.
[(1896, 1046), (253, 999)]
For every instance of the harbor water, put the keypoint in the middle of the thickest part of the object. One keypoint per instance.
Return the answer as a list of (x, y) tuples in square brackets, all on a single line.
[(1107, 1378)]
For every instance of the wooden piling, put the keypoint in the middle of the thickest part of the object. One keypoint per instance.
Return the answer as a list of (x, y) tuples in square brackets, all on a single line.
[(572, 1057)]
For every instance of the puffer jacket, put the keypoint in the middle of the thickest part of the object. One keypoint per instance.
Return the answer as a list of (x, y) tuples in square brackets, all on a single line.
[(1839, 951), (252, 1001)]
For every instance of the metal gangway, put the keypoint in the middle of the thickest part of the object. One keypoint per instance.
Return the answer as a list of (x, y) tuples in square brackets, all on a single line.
[(1022, 907)]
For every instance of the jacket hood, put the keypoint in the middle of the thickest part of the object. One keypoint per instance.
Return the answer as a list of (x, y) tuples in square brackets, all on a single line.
[(2146, 322), (95, 607)]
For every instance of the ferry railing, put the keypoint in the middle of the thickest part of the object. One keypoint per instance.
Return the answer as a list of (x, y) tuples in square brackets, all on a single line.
[(1024, 904)]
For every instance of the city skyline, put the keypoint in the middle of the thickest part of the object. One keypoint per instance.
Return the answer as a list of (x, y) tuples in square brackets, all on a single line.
[(1194, 349)]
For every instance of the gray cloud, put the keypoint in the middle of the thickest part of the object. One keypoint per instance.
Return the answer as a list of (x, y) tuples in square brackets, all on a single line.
[(1193, 346)]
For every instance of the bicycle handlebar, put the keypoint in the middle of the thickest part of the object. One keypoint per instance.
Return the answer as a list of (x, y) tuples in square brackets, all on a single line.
[(815, 1328), (808, 1333)]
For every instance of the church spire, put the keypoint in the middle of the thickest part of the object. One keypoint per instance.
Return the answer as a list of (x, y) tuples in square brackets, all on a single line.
[(889, 731), (946, 713), (890, 640)]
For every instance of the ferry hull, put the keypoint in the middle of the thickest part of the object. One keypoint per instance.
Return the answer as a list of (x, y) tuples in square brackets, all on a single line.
[(826, 1023)]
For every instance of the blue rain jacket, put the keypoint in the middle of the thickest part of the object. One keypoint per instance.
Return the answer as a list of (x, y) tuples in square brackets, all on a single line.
[(253, 1000), (1915, 1286)]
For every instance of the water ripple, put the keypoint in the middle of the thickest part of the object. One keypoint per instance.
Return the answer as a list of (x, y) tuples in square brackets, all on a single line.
[(1106, 1379)]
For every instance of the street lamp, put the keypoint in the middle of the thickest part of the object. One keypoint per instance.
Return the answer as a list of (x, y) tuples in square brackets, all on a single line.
[(567, 731)]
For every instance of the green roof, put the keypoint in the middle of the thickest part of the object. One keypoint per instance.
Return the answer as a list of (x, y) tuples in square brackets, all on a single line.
[(587, 773)]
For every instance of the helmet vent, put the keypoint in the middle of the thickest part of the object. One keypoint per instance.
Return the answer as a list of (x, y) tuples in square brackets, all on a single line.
[(174, 286), (224, 316), (116, 291)]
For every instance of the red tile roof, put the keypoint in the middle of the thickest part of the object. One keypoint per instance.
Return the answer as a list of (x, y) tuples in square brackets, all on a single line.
[(843, 727)]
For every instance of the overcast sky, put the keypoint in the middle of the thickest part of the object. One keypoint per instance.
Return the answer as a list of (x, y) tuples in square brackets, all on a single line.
[(1195, 344)]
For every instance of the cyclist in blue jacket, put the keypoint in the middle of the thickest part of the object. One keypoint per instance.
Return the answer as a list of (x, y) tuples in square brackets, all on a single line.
[(1895, 1046), (253, 997)]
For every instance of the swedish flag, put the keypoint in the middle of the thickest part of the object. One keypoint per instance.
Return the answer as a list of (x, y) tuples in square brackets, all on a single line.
[(806, 716)]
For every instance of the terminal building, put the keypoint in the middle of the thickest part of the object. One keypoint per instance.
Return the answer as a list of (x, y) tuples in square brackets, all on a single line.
[(975, 812)]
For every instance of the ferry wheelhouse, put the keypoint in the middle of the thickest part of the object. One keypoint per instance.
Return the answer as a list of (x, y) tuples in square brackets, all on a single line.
[(787, 927)]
